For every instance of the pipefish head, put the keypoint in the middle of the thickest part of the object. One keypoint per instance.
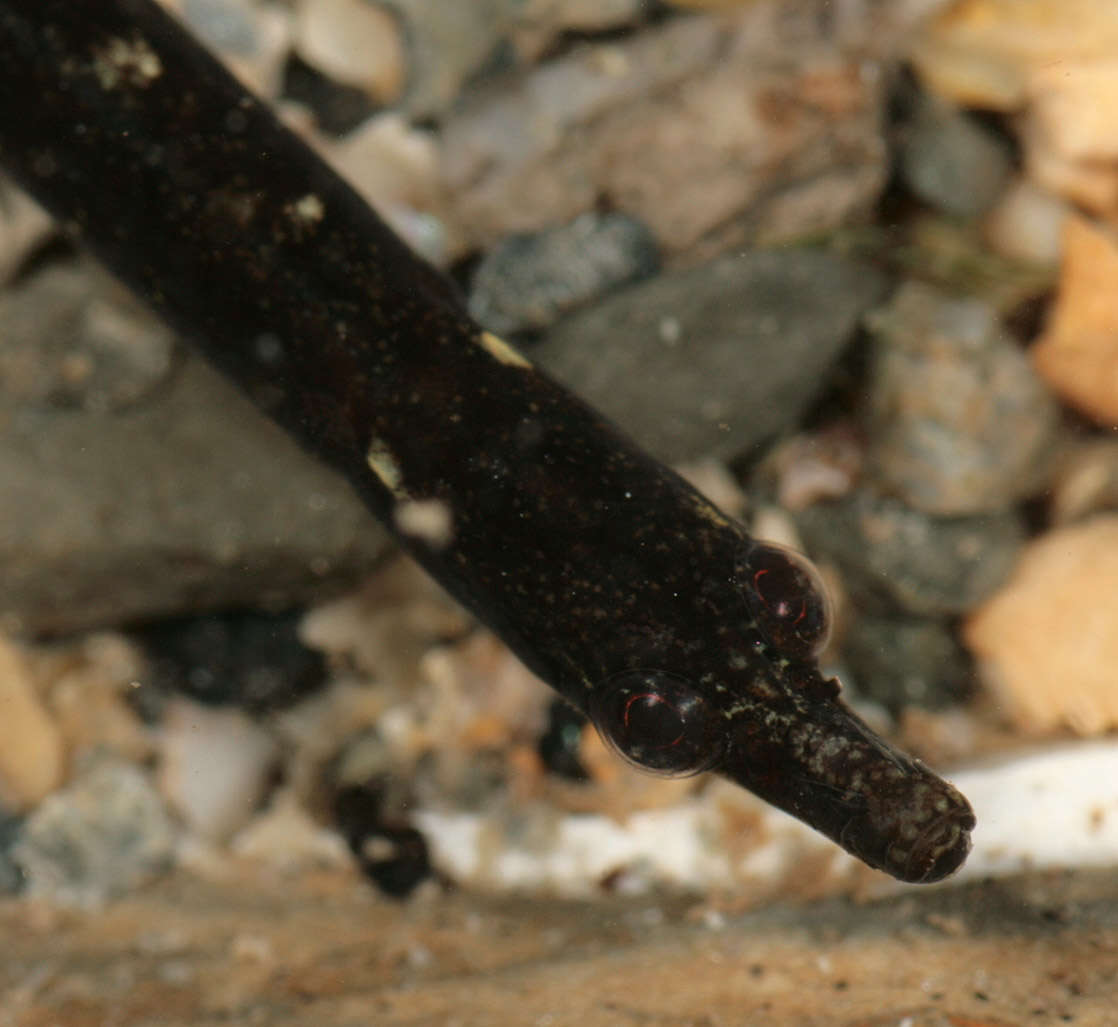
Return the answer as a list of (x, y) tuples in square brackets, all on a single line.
[(757, 710)]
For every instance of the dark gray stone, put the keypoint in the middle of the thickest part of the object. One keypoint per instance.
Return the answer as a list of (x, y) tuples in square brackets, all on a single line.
[(951, 161), (895, 560), (900, 663), (147, 487), (713, 360)]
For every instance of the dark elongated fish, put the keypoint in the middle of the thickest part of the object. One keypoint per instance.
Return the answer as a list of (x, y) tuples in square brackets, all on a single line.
[(690, 645)]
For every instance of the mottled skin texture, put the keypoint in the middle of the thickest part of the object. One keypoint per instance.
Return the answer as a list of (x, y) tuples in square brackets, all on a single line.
[(585, 555)]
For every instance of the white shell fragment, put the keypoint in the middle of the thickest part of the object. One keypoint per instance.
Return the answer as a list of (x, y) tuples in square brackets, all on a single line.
[(1047, 809)]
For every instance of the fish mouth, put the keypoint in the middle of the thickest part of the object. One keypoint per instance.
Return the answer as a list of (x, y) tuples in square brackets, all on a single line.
[(941, 849), (936, 851)]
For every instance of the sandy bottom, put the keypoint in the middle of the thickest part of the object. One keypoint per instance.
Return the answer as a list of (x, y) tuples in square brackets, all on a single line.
[(323, 950)]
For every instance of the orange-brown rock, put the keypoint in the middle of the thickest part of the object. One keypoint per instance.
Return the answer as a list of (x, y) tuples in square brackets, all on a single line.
[(1078, 352), (1048, 641)]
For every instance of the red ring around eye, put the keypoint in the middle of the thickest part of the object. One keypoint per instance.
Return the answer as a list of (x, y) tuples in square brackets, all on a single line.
[(652, 703), (786, 599), (657, 721)]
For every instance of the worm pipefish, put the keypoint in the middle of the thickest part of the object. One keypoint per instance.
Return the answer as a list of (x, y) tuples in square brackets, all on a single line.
[(691, 646)]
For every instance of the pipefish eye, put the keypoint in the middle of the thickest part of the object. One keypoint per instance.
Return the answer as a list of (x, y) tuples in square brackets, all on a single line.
[(657, 721), (786, 599)]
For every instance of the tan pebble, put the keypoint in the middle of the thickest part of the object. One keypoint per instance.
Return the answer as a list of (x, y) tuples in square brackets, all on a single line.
[(285, 836), (711, 5), (1075, 104), (481, 695), (620, 788), (771, 523), (313, 732), (600, 761), (528, 775), (1078, 353), (968, 77), (384, 628), (88, 697), (1053, 59), (252, 39), (262, 71), (1047, 643), (984, 52), (355, 42), (970, 80), (31, 750), (714, 480), (395, 167), (1027, 224), (1085, 482), (1091, 184), (389, 162), (23, 226)]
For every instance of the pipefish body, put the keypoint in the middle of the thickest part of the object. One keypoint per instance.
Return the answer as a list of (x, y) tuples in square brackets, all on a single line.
[(690, 645)]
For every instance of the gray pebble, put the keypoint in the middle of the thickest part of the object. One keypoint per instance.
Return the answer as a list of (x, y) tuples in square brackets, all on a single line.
[(896, 560), (900, 663), (952, 162), (11, 875), (103, 836), (694, 125), (136, 485), (75, 340), (529, 281), (959, 421), (712, 360), (225, 25)]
